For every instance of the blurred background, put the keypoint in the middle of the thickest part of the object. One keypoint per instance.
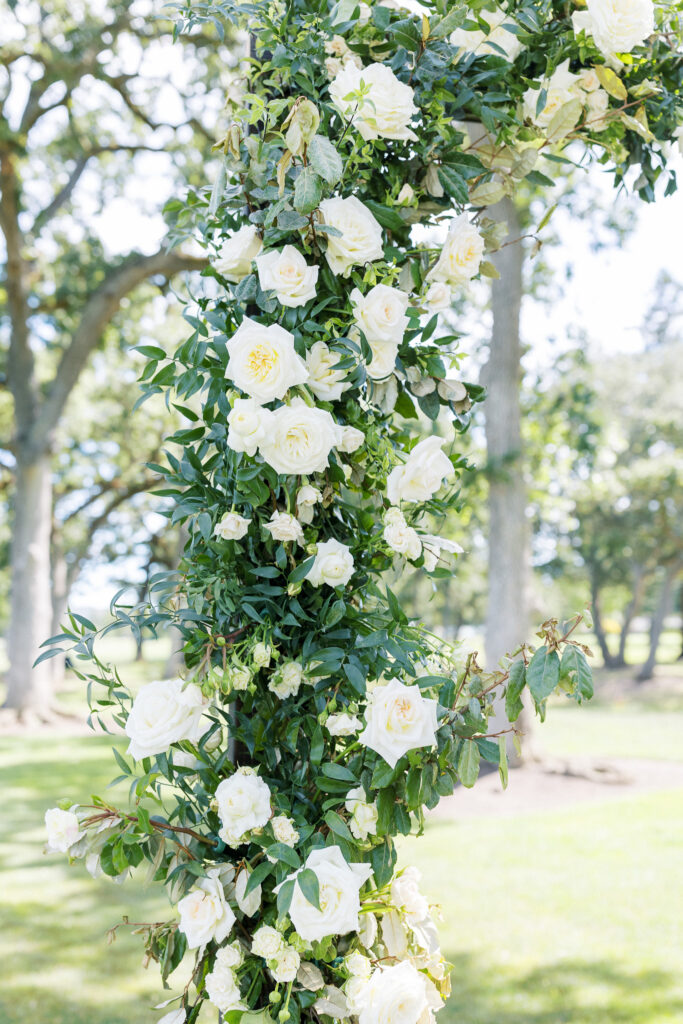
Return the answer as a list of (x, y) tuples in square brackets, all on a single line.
[(561, 899)]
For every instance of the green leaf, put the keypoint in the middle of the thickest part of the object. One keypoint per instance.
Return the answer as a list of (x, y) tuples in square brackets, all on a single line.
[(307, 191), (285, 854), (513, 693), (468, 763), (338, 826), (564, 120), (284, 897), (454, 183), (383, 859), (338, 771), (576, 672), (503, 761), (325, 159), (260, 872), (387, 217), (543, 673), (449, 23), (310, 886), (611, 82)]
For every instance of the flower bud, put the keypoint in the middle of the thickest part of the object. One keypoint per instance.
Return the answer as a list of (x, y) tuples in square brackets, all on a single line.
[(294, 588)]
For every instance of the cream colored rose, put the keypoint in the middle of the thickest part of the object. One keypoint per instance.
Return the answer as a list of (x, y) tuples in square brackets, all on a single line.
[(588, 80), (386, 109), (358, 965), (286, 965), (285, 527), (326, 383), (239, 678), (230, 956), (360, 241), (63, 830), (398, 719), (205, 913), (461, 255), (263, 362), (421, 476), (561, 87), (597, 106), (164, 712), (300, 440), (396, 995), (231, 527), (351, 439), (406, 895), (243, 803), (499, 37), (340, 884), (235, 255), (438, 297), (333, 565), (307, 498), (400, 537), (617, 26), (284, 830), (288, 275), (262, 654), (364, 815), (223, 990), (248, 424), (343, 724), (287, 680), (381, 314), (267, 942), (432, 547)]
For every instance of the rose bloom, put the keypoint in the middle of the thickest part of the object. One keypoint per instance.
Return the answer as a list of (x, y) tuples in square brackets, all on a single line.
[(406, 895), (406, 195), (287, 680), (285, 527), (286, 965), (588, 80), (432, 547), (421, 476), (205, 913), (617, 26), (230, 955), (343, 724), (361, 235), (363, 814), (63, 830), (333, 565), (248, 424), (387, 108), (223, 989), (231, 527), (263, 362), (561, 87), (398, 719), (398, 995), (306, 499), (240, 678), (438, 297), (235, 255), (380, 314), (597, 105), (300, 439), (288, 275), (351, 439), (164, 712), (400, 537), (326, 383), (243, 804), (480, 42), (267, 942), (284, 830), (262, 654), (340, 884), (461, 254)]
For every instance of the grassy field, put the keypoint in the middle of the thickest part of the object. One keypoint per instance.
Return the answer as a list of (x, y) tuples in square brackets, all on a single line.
[(569, 917)]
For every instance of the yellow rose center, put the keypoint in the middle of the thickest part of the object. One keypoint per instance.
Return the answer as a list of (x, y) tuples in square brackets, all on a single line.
[(262, 361)]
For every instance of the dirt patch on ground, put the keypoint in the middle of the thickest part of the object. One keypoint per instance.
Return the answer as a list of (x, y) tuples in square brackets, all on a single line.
[(559, 783)]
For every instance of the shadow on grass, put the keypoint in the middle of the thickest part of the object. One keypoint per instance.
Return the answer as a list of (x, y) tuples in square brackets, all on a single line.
[(563, 992)]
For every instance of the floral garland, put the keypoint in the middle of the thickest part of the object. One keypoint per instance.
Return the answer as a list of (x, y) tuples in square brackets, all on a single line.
[(314, 721)]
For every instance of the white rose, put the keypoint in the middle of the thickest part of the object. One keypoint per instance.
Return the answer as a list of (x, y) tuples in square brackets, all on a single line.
[(561, 87), (230, 955), (240, 677), (164, 712), (387, 107), (262, 654), (617, 26), (351, 439), (231, 527), (287, 680), (326, 383), (223, 989), (358, 965), (300, 440), (248, 424), (499, 35), (381, 314), (398, 719), (588, 80), (333, 565), (285, 527), (396, 995), (267, 942), (236, 253), (343, 724), (597, 105), (286, 965), (243, 804), (461, 255), (438, 297), (63, 830), (432, 547), (307, 498), (363, 814), (340, 884), (367, 930), (400, 537), (284, 830), (205, 913), (249, 903), (263, 362), (421, 476), (406, 195), (288, 275), (174, 1017), (361, 235), (406, 895)]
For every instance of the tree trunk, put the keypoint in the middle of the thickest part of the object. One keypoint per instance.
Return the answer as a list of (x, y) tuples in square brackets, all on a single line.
[(60, 597), (629, 614), (29, 688), (508, 555), (598, 629), (657, 624)]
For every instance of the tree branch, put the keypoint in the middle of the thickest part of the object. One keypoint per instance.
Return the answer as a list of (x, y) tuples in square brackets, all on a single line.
[(97, 313)]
